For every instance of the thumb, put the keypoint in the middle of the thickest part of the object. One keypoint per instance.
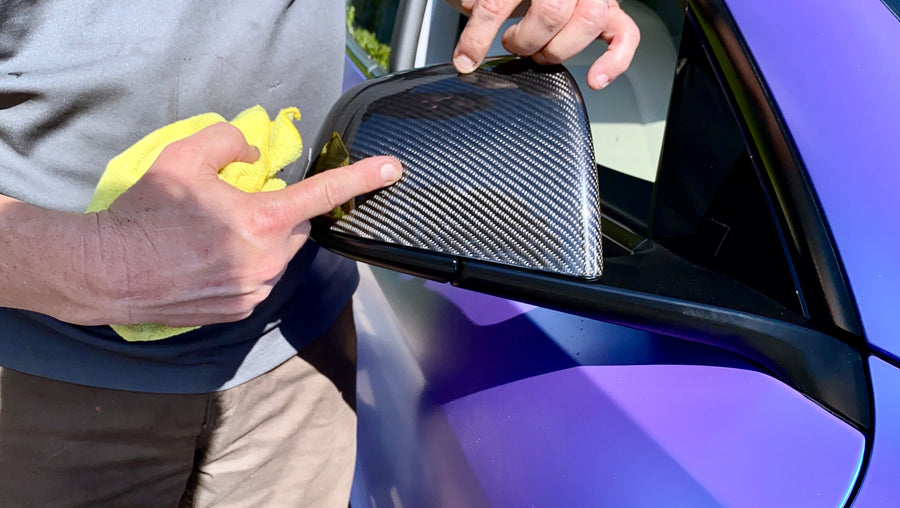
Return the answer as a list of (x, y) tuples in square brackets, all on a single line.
[(208, 150), (321, 193)]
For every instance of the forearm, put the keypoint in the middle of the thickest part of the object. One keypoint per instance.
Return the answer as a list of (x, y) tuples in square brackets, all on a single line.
[(49, 261)]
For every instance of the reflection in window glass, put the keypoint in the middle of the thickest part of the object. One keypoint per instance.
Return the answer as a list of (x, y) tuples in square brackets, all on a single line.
[(372, 24)]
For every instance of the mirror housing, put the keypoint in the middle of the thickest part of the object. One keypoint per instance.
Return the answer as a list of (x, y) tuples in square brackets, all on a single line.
[(500, 195), (498, 167)]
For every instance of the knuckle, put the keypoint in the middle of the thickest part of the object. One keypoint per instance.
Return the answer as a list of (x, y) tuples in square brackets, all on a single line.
[(186, 150), (476, 46), (241, 306), (270, 269), (238, 315), (263, 293), (231, 136), (553, 13), (227, 137), (592, 17), (267, 215), (331, 193), (494, 7), (633, 33), (263, 224), (267, 219), (229, 132)]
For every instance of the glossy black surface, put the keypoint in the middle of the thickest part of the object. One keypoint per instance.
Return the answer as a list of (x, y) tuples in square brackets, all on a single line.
[(498, 165)]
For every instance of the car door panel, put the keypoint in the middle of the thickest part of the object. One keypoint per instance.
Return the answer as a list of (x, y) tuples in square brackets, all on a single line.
[(551, 409), (880, 484)]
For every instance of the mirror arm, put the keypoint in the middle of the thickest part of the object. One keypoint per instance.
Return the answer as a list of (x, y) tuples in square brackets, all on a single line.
[(825, 369), (423, 264)]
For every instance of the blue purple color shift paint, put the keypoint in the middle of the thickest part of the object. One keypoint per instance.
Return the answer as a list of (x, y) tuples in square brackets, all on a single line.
[(556, 410), (648, 435), (834, 69), (883, 475)]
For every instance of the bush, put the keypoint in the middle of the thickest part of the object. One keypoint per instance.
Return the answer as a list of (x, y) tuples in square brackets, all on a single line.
[(379, 51)]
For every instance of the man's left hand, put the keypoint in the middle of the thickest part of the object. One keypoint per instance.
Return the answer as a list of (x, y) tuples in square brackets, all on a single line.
[(550, 32)]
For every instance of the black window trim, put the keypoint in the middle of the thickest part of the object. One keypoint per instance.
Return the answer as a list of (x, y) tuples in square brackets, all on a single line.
[(819, 271)]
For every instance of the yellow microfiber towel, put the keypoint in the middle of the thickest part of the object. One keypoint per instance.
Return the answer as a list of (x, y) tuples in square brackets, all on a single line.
[(279, 144)]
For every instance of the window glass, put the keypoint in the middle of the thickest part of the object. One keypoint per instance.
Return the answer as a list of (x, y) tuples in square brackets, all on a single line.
[(710, 205), (371, 22), (628, 117)]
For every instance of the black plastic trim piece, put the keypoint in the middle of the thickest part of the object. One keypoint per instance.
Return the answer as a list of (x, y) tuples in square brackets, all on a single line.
[(869, 443), (819, 270), (825, 369), (631, 204), (366, 65), (436, 267), (886, 357)]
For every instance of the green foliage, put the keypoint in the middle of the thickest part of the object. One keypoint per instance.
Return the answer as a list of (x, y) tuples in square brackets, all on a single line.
[(379, 51)]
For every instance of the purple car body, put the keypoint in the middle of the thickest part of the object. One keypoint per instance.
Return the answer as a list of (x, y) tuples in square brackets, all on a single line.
[(467, 399)]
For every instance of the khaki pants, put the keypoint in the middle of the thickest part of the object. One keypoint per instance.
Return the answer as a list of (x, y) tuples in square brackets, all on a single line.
[(287, 438)]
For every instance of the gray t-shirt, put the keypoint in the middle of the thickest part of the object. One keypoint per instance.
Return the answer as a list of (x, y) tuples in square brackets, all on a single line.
[(80, 81)]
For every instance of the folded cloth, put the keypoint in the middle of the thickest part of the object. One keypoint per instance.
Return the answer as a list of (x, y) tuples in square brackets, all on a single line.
[(279, 144)]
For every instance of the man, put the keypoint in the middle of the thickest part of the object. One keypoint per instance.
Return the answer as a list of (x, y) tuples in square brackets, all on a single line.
[(229, 414)]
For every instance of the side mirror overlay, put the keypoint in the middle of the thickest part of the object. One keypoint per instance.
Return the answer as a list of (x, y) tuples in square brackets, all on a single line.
[(498, 167)]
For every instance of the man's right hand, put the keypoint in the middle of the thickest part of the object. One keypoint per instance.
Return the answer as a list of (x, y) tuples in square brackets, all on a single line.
[(182, 247)]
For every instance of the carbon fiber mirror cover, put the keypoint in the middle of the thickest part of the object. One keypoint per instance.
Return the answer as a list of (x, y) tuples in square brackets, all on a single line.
[(498, 166)]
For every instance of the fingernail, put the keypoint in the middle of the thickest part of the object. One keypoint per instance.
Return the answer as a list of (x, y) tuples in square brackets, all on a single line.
[(464, 64), (255, 152), (601, 81), (390, 173)]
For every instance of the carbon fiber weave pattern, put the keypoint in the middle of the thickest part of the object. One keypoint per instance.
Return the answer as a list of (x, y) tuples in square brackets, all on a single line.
[(498, 166)]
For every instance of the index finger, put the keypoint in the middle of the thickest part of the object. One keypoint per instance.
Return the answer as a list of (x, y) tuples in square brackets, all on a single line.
[(321, 193), (623, 37), (481, 29)]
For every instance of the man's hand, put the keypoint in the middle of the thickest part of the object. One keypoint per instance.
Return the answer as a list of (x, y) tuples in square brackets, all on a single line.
[(182, 247), (550, 32)]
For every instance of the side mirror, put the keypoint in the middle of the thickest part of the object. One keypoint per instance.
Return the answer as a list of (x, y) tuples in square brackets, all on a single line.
[(500, 195), (498, 168)]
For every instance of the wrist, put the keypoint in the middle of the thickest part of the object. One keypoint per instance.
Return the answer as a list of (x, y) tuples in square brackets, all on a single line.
[(47, 263), (83, 291), (105, 279)]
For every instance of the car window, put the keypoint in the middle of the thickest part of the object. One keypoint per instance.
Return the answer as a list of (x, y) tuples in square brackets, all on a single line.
[(371, 23), (711, 206)]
